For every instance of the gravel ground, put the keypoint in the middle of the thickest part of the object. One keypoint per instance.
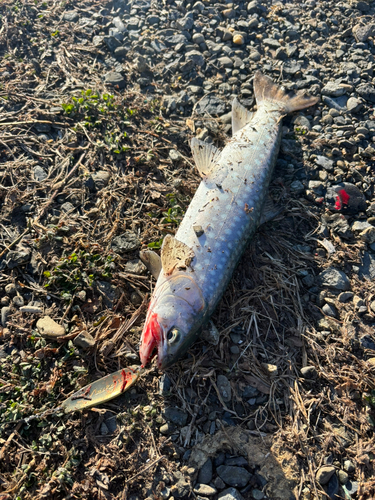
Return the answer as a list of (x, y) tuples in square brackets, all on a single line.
[(98, 103)]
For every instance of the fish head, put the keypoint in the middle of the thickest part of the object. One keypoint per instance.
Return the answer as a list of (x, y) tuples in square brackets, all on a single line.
[(175, 314)]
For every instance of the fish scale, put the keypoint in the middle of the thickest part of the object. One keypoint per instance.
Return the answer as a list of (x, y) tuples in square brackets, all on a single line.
[(196, 266), (248, 171)]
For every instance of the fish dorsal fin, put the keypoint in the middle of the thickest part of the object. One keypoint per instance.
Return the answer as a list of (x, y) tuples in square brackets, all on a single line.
[(205, 156), (240, 116), (175, 255), (152, 261)]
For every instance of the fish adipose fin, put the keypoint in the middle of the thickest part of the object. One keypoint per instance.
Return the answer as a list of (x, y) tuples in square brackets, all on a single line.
[(205, 156), (266, 90), (175, 255), (240, 116), (152, 261)]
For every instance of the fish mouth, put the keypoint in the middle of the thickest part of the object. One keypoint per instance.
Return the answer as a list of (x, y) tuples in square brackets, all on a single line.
[(152, 342)]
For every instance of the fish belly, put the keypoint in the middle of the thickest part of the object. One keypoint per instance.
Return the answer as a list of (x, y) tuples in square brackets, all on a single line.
[(228, 204)]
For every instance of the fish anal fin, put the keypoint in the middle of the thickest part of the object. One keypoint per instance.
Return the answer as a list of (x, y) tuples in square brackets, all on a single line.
[(175, 255), (152, 261), (240, 116), (205, 156)]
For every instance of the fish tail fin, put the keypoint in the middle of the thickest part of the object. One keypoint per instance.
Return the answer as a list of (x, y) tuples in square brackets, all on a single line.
[(266, 90)]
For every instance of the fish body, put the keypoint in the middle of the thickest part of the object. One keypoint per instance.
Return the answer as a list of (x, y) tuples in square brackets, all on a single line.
[(223, 215)]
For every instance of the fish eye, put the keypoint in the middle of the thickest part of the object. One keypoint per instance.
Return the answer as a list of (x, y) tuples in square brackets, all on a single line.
[(173, 335)]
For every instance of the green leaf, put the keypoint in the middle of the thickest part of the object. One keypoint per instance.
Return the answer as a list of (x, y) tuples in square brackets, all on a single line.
[(155, 244)]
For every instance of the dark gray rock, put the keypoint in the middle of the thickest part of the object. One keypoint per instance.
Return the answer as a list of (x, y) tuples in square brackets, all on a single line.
[(367, 91), (164, 385), (324, 474), (176, 416), (212, 105), (335, 279), (234, 476), (309, 372), (110, 293), (332, 488), (16, 258), (205, 473), (367, 268), (186, 23), (127, 242), (196, 58), (115, 78), (120, 53), (112, 43), (329, 310), (224, 387), (153, 19), (238, 461), (367, 342)]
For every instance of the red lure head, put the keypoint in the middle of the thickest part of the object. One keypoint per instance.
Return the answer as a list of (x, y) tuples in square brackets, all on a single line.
[(342, 199)]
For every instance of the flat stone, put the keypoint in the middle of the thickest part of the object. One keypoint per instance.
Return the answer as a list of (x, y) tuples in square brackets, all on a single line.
[(332, 488), (329, 310), (234, 476), (257, 494), (71, 16), (67, 207), (186, 23), (325, 162), (333, 89), (135, 266), (334, 278), (84, 340), (115, 78), (230, 494), (204, 489), (324, 474), (127, 242), (39, 173), (17, 258), (112, 42), (210, 104), (345, 296), (225, 62), (368, 235), (47, 327), (176, 416), (196, 57)]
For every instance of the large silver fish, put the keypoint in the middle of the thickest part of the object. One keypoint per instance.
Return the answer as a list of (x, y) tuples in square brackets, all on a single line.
[(197, 264)]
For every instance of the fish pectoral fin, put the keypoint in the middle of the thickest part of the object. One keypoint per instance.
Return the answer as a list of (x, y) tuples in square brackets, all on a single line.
[(205, 156), (152, 261), (175, 255), (240, 116), (270, 210)]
